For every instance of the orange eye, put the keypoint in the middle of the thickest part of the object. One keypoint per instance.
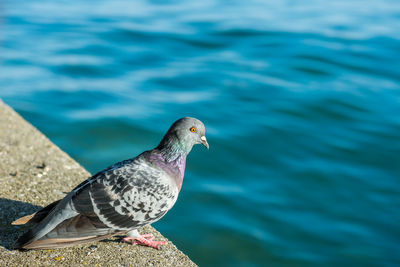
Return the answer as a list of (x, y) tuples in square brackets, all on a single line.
[(193, 130)]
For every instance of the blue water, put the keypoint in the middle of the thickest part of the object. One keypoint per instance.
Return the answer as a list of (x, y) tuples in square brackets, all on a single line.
[(301, 101)]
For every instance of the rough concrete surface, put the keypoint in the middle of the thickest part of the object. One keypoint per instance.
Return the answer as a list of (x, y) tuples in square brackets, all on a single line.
[(33, 173)]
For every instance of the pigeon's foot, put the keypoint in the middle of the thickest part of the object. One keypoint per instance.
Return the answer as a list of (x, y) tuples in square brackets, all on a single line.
[(145, 240)]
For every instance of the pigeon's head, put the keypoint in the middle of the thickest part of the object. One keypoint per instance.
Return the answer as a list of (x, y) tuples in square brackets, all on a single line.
[(185, 132)]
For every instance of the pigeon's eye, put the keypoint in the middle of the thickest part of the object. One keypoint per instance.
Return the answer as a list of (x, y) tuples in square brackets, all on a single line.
[(193, 130)]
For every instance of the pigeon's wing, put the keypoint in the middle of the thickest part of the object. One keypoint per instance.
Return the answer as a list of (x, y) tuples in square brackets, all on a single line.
[(121, 198), (71, 218), (130, 196)]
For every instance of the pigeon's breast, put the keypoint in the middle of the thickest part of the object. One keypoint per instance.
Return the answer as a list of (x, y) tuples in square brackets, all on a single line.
[(150, 195), (174, 168)]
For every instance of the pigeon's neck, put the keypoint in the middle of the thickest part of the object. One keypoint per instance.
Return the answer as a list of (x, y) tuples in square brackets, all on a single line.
[(172, 158), (171, 147)]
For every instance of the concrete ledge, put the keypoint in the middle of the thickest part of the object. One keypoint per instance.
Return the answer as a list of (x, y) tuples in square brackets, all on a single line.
[(35, 172)]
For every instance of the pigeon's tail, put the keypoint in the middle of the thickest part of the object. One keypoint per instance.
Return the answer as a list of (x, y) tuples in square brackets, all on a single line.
[(47, 219), (62, 242), (23, 240), (75, 230), (34, 218)]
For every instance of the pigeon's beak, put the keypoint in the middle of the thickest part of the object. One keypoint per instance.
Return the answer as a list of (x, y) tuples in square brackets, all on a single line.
[(204, 142)]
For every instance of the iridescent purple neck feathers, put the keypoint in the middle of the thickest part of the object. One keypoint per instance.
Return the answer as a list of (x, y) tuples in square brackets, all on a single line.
[(173, 164), (170, 155)]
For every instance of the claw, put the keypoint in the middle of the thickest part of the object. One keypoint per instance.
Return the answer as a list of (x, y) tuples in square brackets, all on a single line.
[(145, 240)]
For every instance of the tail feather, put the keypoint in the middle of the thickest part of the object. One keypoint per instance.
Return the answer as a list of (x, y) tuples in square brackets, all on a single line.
[(60, 212), (24, 240), (64, 242), (37, 216), (76, 230), (25, 220)]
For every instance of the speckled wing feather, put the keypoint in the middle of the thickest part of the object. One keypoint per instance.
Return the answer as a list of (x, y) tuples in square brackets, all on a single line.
[(134, 194), (123, 197)]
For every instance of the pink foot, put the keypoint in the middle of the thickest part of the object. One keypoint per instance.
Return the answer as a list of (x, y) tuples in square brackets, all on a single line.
[(145, 240)]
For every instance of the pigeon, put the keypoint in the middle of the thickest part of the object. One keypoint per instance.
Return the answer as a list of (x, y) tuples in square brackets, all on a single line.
[(120, 199)]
